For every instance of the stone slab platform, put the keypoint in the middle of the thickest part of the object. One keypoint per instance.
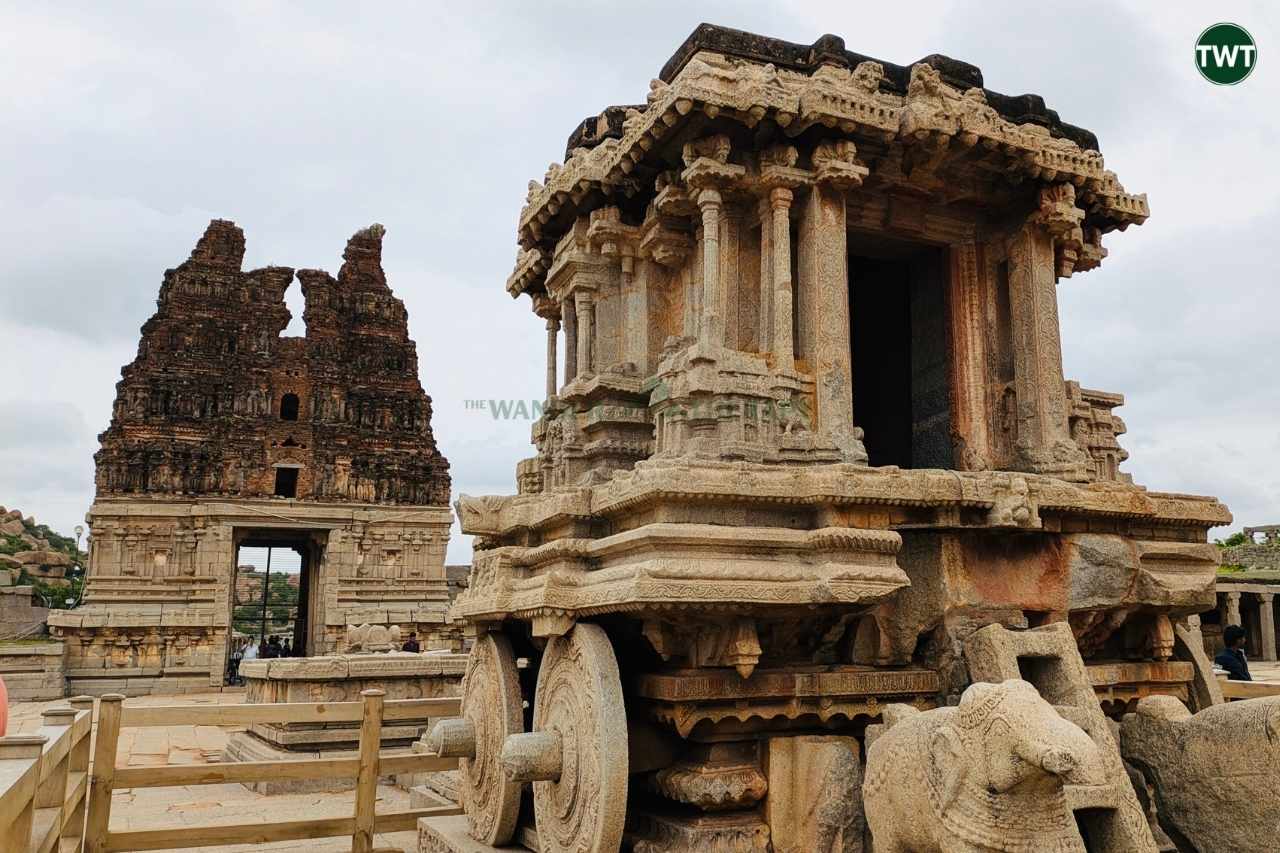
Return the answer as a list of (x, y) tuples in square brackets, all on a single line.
[(33, 672), (449, 835), (337, 678)]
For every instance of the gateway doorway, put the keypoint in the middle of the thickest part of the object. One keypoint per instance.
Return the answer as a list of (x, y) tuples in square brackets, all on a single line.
[(899, 351), (272, 596)]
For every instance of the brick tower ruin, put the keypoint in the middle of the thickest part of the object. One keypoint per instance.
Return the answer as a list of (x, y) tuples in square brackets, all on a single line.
[(226, 433)]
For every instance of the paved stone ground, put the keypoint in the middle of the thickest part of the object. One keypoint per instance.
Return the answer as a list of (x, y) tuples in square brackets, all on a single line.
[(149, 808), (1264, 671), (152, 808)]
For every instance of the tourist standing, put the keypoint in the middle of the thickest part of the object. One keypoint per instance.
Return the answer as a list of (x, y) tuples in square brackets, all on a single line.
[(411, 644)]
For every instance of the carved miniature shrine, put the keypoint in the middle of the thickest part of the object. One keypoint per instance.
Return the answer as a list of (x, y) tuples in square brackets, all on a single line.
[(811, 435), (227, 434)]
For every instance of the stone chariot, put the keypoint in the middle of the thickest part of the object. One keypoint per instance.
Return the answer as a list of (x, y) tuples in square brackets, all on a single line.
[(812, 435)]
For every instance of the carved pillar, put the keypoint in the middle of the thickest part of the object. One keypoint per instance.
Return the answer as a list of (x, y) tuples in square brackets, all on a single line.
[(1267, 624), (968, 360), (635, 288), (1044, 439), (779, 229), (553, 329), (1233, 608), (567, 316), (764, 340), (582, 316), (730, 245), (824, 275), (710, 327)]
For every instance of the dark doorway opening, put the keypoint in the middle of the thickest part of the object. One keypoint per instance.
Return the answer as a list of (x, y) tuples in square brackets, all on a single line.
[(286, 482), (899, 351), (272, 595), (289, 407)]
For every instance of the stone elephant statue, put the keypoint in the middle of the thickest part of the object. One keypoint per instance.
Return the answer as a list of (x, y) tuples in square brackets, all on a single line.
[(985, 776), (1216, 773)]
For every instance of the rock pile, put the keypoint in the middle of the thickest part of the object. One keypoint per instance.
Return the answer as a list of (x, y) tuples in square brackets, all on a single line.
[(24, 544)]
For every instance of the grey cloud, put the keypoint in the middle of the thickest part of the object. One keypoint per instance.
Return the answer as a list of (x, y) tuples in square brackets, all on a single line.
[(39, 424), (134, 125)]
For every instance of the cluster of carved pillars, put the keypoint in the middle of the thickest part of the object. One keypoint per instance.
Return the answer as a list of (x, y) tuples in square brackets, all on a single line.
[(1266, 626), (807, 320)]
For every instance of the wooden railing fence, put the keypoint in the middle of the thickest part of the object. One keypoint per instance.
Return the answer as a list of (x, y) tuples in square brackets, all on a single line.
[(44, 782), (1234, 691), (53, 799)]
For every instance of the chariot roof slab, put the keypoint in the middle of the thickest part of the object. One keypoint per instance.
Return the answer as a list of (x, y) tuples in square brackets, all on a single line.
[(929, 133)]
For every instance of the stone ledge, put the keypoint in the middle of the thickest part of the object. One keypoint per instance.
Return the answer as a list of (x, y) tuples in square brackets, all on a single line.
[(50, 648), (450, 835)]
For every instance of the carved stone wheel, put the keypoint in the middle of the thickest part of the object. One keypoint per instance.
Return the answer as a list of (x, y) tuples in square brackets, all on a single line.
[(579, 697), (491, 704)]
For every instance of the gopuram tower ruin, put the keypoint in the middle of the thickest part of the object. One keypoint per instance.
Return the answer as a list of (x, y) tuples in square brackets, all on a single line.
[(227, 434), (811, 465)]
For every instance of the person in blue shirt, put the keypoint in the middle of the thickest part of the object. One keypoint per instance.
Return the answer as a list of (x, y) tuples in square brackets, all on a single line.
[(1232, 658)]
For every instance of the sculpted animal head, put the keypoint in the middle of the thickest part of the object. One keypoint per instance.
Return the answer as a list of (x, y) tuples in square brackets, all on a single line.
[(1005, 735)]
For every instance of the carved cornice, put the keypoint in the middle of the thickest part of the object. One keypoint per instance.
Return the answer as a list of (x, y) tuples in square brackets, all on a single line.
[(944, 121)]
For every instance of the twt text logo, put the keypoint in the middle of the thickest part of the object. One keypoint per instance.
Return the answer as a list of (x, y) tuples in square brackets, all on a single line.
[(1225, 54)]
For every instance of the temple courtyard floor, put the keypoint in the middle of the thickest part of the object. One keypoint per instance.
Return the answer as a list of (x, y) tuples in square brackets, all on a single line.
[(152, 808)]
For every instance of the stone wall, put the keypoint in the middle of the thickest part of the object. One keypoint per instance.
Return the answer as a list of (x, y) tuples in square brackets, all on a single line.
[(337, 678), (18, 616), (224, 433), (158, 603), (218, 402), (32, 672), (1253, 556)]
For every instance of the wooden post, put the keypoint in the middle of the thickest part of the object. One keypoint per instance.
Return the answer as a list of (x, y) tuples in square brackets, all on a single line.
[(102, 773), (16, 822), (78, 762), (367, 780), (52, 793), (53, 790)]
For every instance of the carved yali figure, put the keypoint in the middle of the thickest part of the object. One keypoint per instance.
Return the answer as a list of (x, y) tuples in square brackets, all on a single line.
[(1216, 774), (982, 777)]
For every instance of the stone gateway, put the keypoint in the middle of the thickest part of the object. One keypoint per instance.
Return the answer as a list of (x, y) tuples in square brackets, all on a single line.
[(227, 434)]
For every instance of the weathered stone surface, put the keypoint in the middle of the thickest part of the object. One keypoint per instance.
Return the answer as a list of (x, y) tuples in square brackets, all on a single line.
[(32, 672), (816, 801), (811, 439), (1216, 773), (987, 775), (223, 428), (337, 678), (1259, 556), (203, 408), (42, 558), (18, 616), (1049, 659)]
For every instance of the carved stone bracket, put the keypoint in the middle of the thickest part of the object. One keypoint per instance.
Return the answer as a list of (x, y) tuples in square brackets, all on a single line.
[(836, 163)]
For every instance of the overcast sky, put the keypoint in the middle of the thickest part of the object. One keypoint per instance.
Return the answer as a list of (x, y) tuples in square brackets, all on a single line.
[(125, 127)]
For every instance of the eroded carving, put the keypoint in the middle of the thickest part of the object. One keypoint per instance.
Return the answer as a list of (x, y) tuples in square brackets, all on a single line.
[(988, 775)]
